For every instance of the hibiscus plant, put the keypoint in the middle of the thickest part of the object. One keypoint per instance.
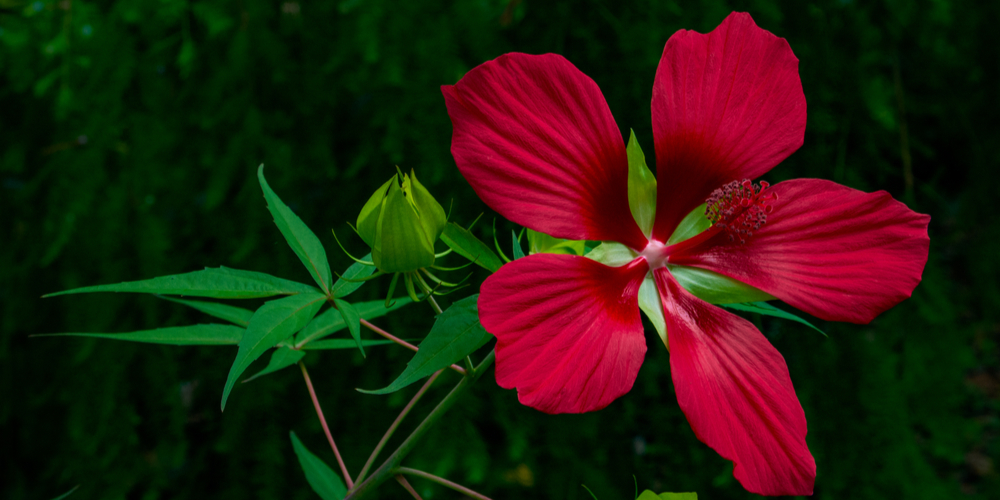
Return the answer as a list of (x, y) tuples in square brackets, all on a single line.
[(537, 142)]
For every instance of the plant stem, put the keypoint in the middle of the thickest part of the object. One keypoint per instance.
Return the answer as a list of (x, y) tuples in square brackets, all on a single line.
[(406, 484), (326, 428), (444, 482), (386, 470), (395, 424), (459, 369), (434, 304)]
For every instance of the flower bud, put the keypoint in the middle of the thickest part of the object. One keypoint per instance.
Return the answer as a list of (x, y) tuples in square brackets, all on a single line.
[(401, 222)]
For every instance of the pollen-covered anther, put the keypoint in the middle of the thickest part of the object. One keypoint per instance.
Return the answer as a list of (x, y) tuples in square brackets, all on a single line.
[(740, 208)]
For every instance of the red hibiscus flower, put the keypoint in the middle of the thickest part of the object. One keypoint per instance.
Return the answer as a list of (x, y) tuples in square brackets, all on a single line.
[(536, 140)]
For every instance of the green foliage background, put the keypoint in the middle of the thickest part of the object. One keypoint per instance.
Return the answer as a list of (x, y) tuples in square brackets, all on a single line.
[(131, 131)]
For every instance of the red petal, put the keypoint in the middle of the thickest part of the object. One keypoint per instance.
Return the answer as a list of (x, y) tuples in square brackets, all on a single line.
[(535, 138), (569, 337), (834, 252), (726, 106), (734, 388)]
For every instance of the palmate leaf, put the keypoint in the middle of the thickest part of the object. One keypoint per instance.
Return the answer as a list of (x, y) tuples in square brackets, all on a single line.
[(769, 310), (342, 344), (331, 320), (456, 334), (323, 480), (272, 323), (357, 271), (304, 242), (282, 357), (232, 314), (353, 320), (216, 283), (206, 334), (465, 244)]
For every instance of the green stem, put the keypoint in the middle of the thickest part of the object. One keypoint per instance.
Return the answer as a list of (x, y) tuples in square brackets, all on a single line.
[(443, 482), (387, 469), (392, 428)]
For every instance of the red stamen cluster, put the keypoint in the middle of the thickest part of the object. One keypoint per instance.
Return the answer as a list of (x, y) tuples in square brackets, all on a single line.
[(740, 208)]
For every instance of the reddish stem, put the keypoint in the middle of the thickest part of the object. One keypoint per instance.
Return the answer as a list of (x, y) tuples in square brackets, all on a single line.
[(443, 482), (459, 369), (326, 428), (406, 484)]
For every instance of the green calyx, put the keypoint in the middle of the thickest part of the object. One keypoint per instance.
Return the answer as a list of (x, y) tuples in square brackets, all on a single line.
[(401, 222)]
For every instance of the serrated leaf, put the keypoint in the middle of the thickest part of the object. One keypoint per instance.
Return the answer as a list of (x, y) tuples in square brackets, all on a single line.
[(232, 314), (221, 283), (206, 334), (303, 241), (465, 244), (641, 187), (517, 252), (343, 287), (326, 483), (456, 334), (282, 357), (272, 323), (769, 310), (342, 344), (353, 320), (332, 321)]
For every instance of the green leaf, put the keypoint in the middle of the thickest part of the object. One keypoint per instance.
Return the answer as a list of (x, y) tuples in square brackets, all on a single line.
[(342, 288), (326, 483), (353, 320), (304, 242), (400, 243), (518, 252), (769, 310), (368, 218), (543, 243), (465, 244), (693, 223), (272, 323), (612, 254), (332, 321), (282, 357), (649, 495), (206, 334), (641, 187), (232, 314), (221, 283), (456, 334), (715, 288), (68, 493), (342, 344)]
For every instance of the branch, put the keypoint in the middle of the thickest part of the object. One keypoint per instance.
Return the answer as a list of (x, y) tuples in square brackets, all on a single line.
[(326, 428), (444, 482), (459, 369)]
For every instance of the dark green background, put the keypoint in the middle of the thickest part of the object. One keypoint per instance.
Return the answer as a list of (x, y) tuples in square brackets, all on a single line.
[(130, 132)]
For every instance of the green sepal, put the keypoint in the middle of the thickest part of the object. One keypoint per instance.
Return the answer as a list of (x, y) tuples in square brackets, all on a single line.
[(517, 251), (652, 306), (769, 310), (432, 215), (273, 322), (353, 320), (400, 242), (641, 187), (456, 334), (467, 245), (368, 218), (331, 320), (205, 334), (348, 283), (232, 314), (282, 357), (715, 288), (543, 243), (321, 478), (649, 495), (214, 283), (303, 241), (692, 224)]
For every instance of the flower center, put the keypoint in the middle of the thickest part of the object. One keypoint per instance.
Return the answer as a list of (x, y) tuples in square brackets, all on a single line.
[(740, 208), (655, 254)]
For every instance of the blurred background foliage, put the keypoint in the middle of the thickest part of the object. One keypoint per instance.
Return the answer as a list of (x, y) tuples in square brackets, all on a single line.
[(130, 134)]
